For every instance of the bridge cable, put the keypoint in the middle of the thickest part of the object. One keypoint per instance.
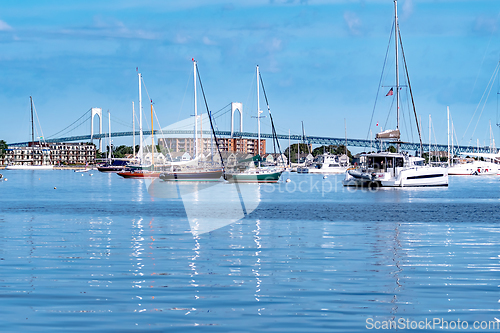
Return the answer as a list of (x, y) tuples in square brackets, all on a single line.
[(70, 124)]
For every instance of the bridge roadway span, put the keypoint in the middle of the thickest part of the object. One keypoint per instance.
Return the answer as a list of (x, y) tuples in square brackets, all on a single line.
[(407, 146)]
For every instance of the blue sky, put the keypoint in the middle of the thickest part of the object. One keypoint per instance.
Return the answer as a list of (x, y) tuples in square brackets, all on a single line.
[(321, 62)]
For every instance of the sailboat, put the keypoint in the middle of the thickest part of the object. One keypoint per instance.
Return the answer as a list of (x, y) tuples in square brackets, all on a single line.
[(29, 164), (177, 172), (385, 169), (142, 170), (112, 164), (259, 174)]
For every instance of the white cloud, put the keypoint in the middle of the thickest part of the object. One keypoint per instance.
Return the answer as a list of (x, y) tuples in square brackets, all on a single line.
[(4, 26), (208, 41), (407, 9), (181, 39), (353, 22), (486, 25)]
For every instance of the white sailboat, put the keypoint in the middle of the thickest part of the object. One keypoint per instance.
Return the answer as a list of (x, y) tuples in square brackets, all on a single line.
[(34, 148), (142, 170), (259, 174), (192, 170), (385, 169)]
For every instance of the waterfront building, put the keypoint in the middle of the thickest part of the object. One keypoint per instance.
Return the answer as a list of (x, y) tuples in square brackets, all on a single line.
[(206, 145), (54, 153)]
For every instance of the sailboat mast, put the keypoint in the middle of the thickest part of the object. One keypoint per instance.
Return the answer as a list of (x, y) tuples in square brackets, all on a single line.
[(396, 34), (448, 115), (430, 130), (258, 109), (195, 112), (152, 137), (32, 126), (345, 132), (109, 136), (140, 119), (133, 129)]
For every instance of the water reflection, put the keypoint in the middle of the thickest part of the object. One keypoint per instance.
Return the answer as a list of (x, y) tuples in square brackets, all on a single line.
[(257, 266), (137, 251), (208, 205)]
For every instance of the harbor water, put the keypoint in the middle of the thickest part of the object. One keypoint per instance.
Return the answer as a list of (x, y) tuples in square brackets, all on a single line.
[(92, 252)]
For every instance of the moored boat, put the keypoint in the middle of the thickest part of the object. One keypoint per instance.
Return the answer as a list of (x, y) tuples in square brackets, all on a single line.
[(386, 169), (194, 175), (325, 164), (131, 173), (258, 175)]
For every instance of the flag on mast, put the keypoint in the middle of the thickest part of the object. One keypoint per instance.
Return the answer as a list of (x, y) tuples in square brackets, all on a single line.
[(390, 93)]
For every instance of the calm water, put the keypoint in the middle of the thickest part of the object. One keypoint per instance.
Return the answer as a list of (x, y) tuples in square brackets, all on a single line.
[(99, 253)]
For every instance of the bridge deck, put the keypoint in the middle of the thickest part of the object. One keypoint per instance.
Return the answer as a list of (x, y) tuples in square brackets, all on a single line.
[(363, 143)]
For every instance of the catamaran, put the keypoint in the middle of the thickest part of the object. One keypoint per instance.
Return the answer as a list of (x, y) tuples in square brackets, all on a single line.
[(385, 169)]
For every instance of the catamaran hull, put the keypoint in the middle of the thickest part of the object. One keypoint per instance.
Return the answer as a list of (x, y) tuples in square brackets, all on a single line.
[(414, 177), (202, 176)]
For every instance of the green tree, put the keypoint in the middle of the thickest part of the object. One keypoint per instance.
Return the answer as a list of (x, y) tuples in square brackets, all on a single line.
[(3, 148), (391, 149), (304, 150), (121, 151), (332, 149)]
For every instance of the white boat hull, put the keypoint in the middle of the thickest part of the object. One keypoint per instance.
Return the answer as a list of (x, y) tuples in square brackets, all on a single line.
[(411, 177), (29, 167), (473, 169), (323, 171)]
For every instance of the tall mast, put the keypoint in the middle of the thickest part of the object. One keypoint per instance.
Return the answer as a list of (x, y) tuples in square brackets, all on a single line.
[(396, 33), (258, 109), (109, 136), (133, 129), (345, 132), (289, 149), (430, 129), (448, 115), (195, 112), (32, 127), (140, 118), (152, 137)]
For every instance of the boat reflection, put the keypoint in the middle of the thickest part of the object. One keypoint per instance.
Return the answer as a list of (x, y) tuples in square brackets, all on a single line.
[(210, 206)]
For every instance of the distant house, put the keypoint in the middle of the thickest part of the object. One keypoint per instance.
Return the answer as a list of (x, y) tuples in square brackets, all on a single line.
[(178, 156), (276, 158), (344, 159), (159, 158)]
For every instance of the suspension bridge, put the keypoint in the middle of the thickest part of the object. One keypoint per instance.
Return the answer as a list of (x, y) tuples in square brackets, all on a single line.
[(367, 144)]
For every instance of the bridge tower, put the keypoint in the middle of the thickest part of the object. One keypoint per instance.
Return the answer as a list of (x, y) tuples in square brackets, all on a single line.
[(98, 112), (236, 107)]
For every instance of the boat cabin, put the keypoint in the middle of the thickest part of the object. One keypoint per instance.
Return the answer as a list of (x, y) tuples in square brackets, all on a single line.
[(384, 162)]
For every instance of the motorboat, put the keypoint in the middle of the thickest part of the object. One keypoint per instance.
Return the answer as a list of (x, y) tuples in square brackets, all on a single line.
[(325, 164), (478, 168)]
